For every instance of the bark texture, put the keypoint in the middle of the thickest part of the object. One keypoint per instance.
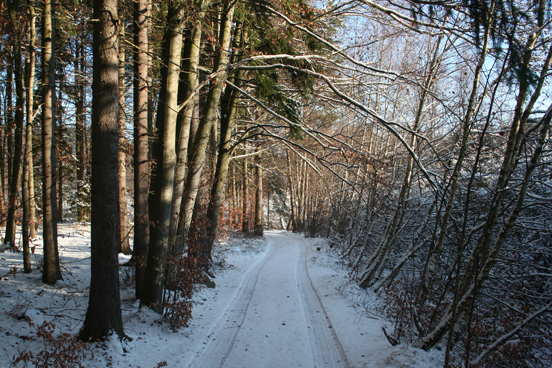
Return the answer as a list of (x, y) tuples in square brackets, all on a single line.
[(124, 243), (258, 226), (198, 150), (141, 144), (80, 130), (14, 188), (104, 308), (166, 161), (28, 227), (51, 272)]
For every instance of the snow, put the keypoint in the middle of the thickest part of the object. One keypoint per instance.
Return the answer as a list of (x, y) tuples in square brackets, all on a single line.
[(278, 302)]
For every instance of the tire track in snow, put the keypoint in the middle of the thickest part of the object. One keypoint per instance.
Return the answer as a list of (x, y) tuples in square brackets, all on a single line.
[(222, 335), (326, 348)]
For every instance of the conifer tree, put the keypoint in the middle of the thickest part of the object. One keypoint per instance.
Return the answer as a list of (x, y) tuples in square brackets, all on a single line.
[(52, 271), (104, 307)]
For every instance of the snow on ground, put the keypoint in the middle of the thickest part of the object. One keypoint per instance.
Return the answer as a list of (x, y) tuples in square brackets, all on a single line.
[(249, 273), (352, 311)]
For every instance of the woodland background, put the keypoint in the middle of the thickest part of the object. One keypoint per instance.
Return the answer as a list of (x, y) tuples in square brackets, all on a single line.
[(413, 134)]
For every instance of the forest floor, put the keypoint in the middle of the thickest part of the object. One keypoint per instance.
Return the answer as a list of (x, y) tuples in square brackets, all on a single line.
[(282, 301)]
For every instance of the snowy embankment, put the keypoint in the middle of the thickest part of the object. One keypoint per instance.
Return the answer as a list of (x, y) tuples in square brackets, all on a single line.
[(269, 294)]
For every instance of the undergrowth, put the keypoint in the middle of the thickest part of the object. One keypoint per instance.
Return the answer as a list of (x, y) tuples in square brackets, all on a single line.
[(60, 350)]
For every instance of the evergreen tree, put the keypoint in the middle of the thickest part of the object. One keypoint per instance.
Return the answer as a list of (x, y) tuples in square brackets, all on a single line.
[(104, 307)]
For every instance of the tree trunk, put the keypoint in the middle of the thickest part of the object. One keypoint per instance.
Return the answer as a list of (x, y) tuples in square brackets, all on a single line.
[(61, 147), (214, 142), (234, 202), (245, 196), (141, 142), (207, 120), (292, 219), (33, 223), (51, 272), (190, 83), (60, 176), (268, 225), (104, 307), (2, 167), (28, 194), (9, 124), (166, 160), (25, 198), (3, 153), (258, 230), (302, 208), (227, 122), (80, 130), (18, 132), (124, 243)]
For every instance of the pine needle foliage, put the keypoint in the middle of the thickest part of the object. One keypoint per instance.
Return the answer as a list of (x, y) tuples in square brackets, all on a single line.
[(270, 37)]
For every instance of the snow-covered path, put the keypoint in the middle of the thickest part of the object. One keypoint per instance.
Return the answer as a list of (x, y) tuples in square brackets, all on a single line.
[(275, 312), (278, 302)]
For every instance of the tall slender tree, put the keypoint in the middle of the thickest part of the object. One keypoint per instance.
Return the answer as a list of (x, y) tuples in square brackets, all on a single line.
[(28, 227), (124, 243), (189, 84), (80, 129), (258, 223), (208, 118), (51, 272), (104, 306), (245, 194), (165, 155), (141, 143), (8, 111), (14, 189), (61, 145), (2, 163), (229, 113)]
